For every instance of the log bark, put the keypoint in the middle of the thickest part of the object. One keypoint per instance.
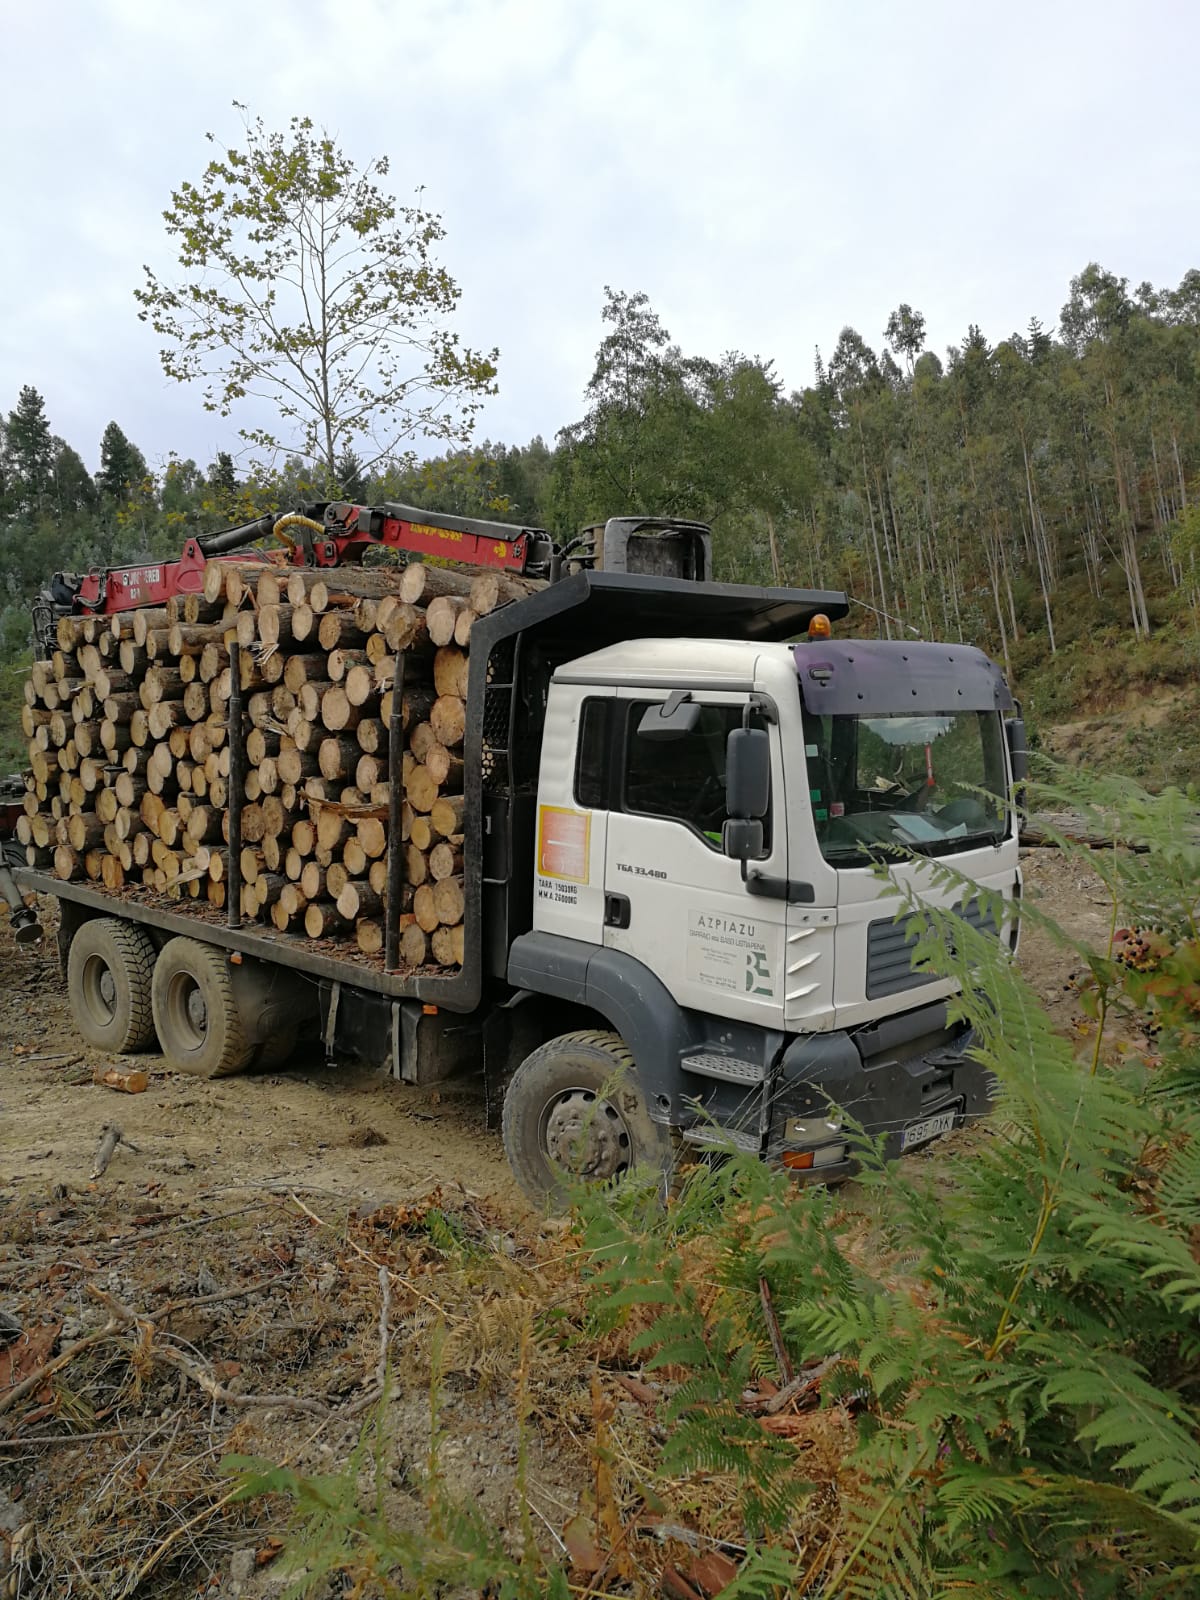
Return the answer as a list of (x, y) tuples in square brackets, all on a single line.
[(447, 769), (294, 765), (67, 864), (448, 720), (421, 789), (405, 629), (420, 583), (447, 813), (189, 640), (372, 837), (358, 899), (492, 589), (414, 946), (450, 671), (163, 716), (312, 880), (449, 946), (338, 757), (425, 908), (305, 668), (146, 621), (445, 860), (441, 616), (372, 736), (338, 628), (450, 900), (358, 682), (274, 624)]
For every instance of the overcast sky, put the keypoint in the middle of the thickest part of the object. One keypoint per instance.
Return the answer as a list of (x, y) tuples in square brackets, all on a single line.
[(766, 172)]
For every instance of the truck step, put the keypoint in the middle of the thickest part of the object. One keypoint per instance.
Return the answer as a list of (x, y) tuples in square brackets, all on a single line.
[(708, 1134), (728, 1068)]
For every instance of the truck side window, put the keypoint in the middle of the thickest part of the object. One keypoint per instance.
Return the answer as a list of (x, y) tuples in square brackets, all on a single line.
[(683, 779), (592, 762)]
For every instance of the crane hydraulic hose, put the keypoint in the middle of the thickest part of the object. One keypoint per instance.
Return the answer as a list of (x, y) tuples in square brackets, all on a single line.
[(295, 519)]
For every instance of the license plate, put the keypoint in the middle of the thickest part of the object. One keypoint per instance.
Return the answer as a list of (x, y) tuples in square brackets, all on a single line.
[(929, 1128)]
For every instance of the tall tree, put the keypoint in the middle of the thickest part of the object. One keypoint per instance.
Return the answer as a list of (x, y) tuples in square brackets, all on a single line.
[(122, 465), (1097, 322), (74, 490), (350, 479), (905, 333), (222, 474), (641, 447), (305, 285), (28, 455)]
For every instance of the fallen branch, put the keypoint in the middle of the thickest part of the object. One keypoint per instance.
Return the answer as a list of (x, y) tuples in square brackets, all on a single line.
[(377, 1390), (385, 1298), (782, 1359), (218, 1299), (205, 1380), (110, 1138), (772, 1405), (35, 1380)]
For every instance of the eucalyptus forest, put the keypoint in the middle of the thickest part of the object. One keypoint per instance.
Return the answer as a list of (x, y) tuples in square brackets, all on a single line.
[(1034, 496)]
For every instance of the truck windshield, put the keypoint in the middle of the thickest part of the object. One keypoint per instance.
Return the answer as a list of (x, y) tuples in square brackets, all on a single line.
[(934, 784)]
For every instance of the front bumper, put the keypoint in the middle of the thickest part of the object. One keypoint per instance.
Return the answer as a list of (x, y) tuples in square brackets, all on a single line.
[(828, 1089)]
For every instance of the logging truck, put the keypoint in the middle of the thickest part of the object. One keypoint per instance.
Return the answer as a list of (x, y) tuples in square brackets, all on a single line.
[(581, 821)]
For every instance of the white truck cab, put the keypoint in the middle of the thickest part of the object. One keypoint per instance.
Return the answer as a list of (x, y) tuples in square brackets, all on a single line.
[(754, 935)]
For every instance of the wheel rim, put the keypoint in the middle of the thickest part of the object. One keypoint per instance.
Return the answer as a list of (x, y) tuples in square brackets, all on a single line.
[(586, 1136), (188, 1011), (99, 990)]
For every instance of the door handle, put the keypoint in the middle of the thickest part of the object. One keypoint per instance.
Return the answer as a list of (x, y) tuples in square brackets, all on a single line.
[(616, 910)]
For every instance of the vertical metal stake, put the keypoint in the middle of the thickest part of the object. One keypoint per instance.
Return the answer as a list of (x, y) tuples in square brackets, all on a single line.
[(237, 789), (395, 855)]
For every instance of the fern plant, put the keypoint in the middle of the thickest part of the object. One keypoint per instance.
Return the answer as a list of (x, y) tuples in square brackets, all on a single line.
[(1022, 1354)]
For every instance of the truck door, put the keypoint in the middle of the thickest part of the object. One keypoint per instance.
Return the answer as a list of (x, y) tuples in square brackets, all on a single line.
[(673, 899)]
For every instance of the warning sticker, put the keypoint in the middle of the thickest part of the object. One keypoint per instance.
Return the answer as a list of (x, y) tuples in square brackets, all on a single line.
[(563, 840), (737, 955)]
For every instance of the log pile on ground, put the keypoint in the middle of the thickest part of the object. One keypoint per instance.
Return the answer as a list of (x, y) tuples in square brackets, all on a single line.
[(130, 752)]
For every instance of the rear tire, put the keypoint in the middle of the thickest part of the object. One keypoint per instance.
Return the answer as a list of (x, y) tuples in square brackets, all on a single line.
[(574, 1113), (200, 1026), (110, 967)]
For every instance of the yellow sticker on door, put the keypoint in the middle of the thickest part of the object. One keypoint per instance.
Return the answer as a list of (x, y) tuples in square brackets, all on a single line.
[(563, 839)]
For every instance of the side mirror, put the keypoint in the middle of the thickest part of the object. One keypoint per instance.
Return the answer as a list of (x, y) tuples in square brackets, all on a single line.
[(673, 719), (742, 838), (748, 774), (1018, 756)]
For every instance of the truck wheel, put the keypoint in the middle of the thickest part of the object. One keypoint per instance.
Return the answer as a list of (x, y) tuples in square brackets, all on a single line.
[(196, 1013), (109, 970), (574, 1112)]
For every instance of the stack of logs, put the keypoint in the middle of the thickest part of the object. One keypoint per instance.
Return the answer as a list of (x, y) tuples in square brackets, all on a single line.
[(130, 759)]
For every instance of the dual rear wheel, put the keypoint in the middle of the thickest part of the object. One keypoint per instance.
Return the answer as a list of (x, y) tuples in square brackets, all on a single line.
[(124, 994)]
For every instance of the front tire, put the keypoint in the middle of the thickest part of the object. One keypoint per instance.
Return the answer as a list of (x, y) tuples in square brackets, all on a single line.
[(110, 968), (200, 1026), (574, 1113)]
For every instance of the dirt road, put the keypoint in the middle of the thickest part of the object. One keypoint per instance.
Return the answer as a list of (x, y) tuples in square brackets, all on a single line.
[(343, 1128)]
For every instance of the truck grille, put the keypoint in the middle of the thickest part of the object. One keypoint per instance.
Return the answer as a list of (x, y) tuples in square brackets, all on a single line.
[(890, 948)]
